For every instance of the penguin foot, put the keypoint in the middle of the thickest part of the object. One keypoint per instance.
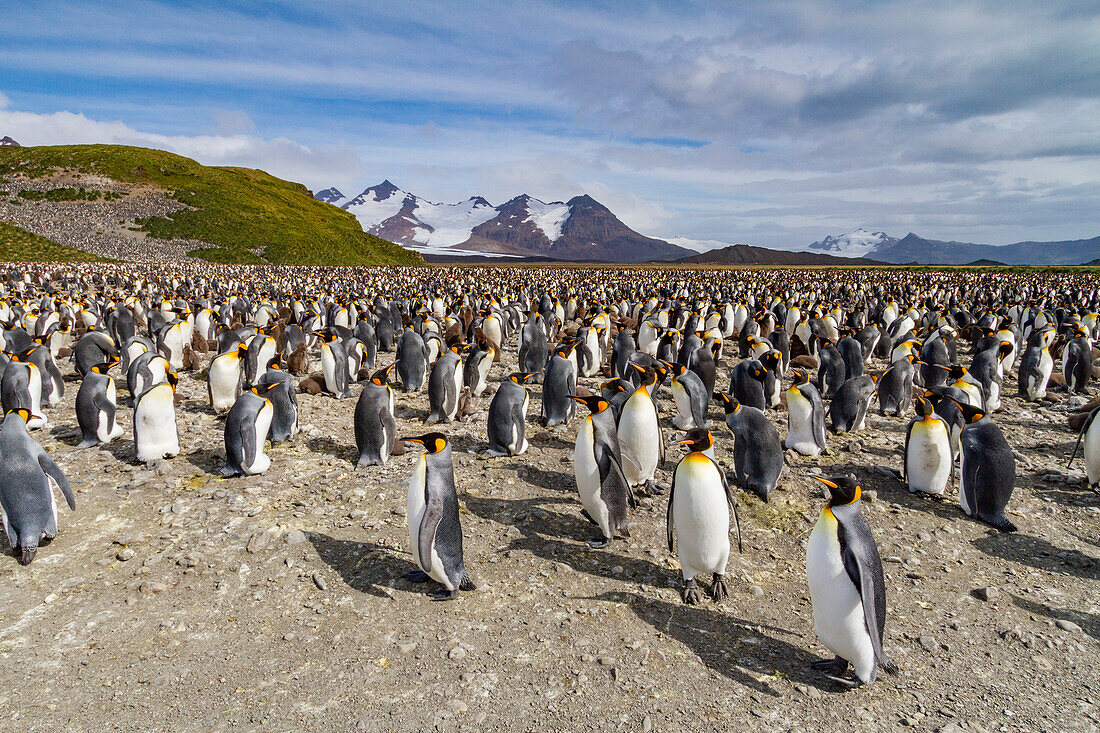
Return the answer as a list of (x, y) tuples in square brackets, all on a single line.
[(586, 515), (652, 488), (718, 589), (999, 522), (849, 682), (691, 595), (445, 595), (835, 666), (416, 576), (599, 542)]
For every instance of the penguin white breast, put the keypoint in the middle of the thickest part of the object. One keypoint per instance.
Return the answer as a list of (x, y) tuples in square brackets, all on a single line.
[(1092, 452), (928, 460), (640, 433), (587, 473), (700, 514), (838, 611)]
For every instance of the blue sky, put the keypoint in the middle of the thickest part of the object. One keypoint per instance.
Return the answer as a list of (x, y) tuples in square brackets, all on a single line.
[(770, 123)]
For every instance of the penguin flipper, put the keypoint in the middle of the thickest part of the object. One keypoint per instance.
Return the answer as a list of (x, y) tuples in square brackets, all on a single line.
[(668, 515), (732, 503), (51, 469), (905, 453), (429, 524), (857, 561)]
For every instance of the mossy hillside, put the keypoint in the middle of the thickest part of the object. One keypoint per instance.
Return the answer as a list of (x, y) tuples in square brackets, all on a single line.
[(19, 245), (246, 215)]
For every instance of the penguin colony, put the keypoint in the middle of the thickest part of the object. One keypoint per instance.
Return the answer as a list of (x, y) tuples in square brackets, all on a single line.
[(932, 353)]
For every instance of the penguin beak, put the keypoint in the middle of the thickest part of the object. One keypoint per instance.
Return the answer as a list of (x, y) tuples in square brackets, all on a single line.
[(413, 440), (825, 481)]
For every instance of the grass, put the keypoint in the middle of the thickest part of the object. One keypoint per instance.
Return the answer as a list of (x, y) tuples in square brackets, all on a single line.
[(237, 211), (19, 245)]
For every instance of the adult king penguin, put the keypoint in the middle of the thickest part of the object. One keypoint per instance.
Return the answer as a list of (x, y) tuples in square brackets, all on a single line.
[(508, 417), (988, 470), (805, 417), (597, 465), (95, 407), (929, 459), (699, 507), (375, 428), (27, 475), (640, 438), (847, 587), (435, 533), (155, 434), (246, 429), (757, 450)]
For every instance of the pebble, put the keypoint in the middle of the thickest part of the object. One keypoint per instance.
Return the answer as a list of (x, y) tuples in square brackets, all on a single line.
[(295, 537), (986, 594), (125, 554), (756, 590), (407, 647), (458, 706), (928, 643), (647, 724), (258, 541), (154, 586), (1065, 625), (457, 654), (320, 582)]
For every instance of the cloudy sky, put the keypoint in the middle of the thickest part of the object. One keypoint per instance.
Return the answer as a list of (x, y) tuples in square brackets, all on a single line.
[(770, 123)]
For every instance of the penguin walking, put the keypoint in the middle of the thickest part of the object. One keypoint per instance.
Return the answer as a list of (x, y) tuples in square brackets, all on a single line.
[(435, 532), (847, 587), (96, 402), (929, 458), (597, 465), (698, 516), (27, 476), (988, 470), (848, 410), (640, 439), (757, 450), (375, 427), (155, 434), (805, 417), (895, 386), (508, 417), (246, 429), (444, 388)]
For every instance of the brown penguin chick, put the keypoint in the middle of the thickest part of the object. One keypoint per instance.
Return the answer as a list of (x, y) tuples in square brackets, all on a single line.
[(276, 332), (64, 352), (199, 343), (465, 405), (455, 335), (190, 360), (313, 384), (805, 361), (285, 314), (297, 362)]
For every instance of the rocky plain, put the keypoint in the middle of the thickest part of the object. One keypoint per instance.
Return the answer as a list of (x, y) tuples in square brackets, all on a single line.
[(174, 599)]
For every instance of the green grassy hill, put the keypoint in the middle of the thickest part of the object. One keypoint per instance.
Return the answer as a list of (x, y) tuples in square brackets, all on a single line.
[(239, 211), (19, 245)]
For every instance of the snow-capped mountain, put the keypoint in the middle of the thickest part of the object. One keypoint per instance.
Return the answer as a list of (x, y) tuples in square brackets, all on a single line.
[(859, 243), (331, 196), (579, 229)]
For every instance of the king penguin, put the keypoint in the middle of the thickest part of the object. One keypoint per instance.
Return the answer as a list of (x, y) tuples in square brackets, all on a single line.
[(246, 429), (640, 438), (435, 533), (929, 459), (988, 470), (28, 507), (444, 388), (698, 515), (95, 407), (155, 433), (690, 397), (757, 450), (559, 384), (223, 378), (284, 401), (507, 417), (805, 417), (334, 366), (847, 587), (375, 428), (597, 465), (848, 410)]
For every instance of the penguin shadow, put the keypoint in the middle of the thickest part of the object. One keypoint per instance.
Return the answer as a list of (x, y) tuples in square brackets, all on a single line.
[(365, 566), (945, 507), (542, 533), (1063, 494), (65, 435), (728, 645), (330, 447), (1089, 622), (418, 414), (549, 480), (1038, 553), (206, 461)]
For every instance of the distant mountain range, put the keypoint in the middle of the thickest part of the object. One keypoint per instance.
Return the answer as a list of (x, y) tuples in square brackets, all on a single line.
[(915, 249), (7, 142), (745, 254), (580, 229)]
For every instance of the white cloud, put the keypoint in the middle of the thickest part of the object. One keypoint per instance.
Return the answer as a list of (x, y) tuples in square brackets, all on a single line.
[(4, 101), (315, 166)]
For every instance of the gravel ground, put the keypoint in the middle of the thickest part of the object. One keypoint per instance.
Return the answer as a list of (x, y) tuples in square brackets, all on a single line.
[(173, 599), (101, 227)]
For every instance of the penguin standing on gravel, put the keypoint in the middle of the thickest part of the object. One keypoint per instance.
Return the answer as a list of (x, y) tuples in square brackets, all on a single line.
[(27, 476), (155, 434), (411, 361), (747, 384), (895, 386), (597, 465), (375, 428), (690, 397), (223, 378), (259, 352), (757, 450), (95, 407), (444, 388), (1077, 362), (929, 458), (435, 533), (475, 371), (988, 470), (1036, 368), (848, 410), (805, 417), (508, 417), (284, 401), (559, 383), (847, 587), (698, 515), (640, 438), (334, 366), (831, 373), (246, 429)]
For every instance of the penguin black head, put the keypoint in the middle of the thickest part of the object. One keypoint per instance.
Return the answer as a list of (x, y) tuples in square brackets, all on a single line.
[(521, 377), (595, 403), (648, 375), (1005, 348), (242, 351), (697, 440), (261, 390), (729, 404), (957, 372), (801, 377), (104, 367), (842, 489), (922, 406), (434, 442), (21, 412), (971, 413), (173, 379), (274, 363), (380, 376), (771, 359)]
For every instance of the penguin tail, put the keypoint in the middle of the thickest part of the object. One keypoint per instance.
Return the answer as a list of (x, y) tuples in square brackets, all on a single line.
[(466, 583), (888, 665)]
